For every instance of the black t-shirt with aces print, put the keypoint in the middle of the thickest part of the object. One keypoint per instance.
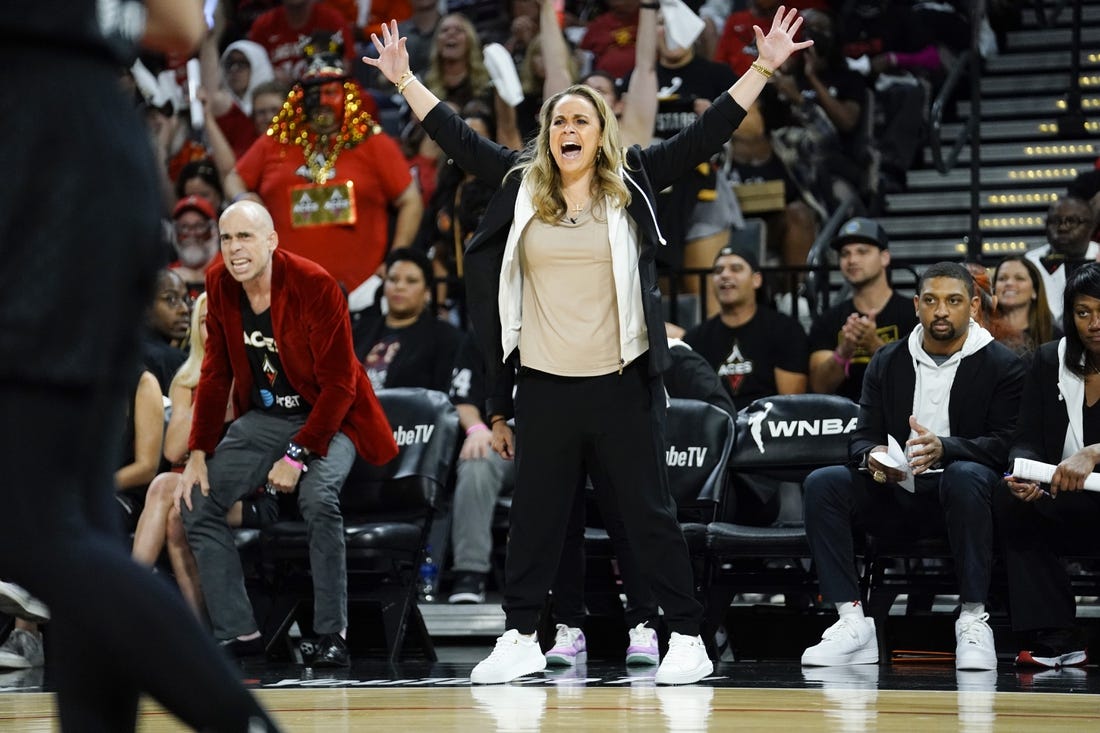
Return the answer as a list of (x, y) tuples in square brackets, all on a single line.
[(271, 391), (746, 357)]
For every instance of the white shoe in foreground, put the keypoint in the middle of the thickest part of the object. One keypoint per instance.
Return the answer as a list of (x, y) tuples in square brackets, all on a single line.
[(851, 640), (16, 601), (514, 656), (974, 647), (686, 661)]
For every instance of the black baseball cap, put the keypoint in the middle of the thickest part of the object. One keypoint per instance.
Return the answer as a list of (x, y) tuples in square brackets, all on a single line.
[(748, 254), (860, 229)]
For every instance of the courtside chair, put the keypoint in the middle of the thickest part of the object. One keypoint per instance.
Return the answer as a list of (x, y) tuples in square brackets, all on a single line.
[(388, 513)]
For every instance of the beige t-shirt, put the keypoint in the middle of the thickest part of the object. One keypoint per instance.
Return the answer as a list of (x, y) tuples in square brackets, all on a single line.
[(570, 324)]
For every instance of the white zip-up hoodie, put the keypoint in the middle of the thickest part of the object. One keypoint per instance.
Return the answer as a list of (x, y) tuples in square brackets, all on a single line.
[(1071, 390), (932, 393), (625, 252)]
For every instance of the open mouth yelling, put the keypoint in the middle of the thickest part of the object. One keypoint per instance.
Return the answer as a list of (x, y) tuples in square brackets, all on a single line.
[(570, 151)]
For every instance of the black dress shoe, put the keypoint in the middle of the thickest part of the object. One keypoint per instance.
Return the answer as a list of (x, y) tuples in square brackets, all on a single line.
[(332, 651), (240, 649)]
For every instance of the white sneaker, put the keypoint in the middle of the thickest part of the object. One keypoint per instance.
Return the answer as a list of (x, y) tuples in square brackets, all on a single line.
[(16, 601), (974, 647), (569, 647), (642, 648), (22, 650), (685, 663), (851, 640), (515, 655)]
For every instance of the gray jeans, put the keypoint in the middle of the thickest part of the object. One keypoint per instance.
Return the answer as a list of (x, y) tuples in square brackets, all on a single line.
[(241, 464), (477, 486)]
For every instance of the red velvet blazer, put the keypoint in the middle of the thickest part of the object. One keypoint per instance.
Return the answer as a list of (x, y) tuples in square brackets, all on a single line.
[(312, 328)]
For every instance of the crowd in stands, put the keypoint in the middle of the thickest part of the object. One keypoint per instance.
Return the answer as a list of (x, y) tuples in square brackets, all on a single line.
[(293, 120)]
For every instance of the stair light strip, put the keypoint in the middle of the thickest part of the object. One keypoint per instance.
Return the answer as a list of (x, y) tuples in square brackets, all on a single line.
[(1086, 103), (1080, 149), (1042, 173), (1004, 246), (993, 222), (1006, 199), (1051, 128)]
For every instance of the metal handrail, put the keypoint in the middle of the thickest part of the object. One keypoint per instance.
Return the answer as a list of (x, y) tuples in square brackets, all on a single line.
[(817, 278), (943, 165)]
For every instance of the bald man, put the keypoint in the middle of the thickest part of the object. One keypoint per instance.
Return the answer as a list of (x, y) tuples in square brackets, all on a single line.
[(280, 340)]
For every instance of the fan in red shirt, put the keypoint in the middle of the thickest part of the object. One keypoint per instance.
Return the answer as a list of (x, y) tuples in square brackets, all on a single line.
[(330, 176), (280, 31)]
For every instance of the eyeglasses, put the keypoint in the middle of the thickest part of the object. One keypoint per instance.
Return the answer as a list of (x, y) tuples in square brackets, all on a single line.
[(237, 65), (1070, 221)]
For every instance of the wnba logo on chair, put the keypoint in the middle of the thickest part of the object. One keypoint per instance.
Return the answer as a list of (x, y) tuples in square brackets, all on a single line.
[(413, 435), (765, 431)]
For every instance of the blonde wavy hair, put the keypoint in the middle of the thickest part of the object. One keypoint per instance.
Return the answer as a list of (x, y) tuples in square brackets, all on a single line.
[(475, 60), (188, 373), (538, 168)]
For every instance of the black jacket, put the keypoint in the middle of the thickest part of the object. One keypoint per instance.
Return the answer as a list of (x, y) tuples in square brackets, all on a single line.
[(652, 169), (984, 406), (1041, 433)]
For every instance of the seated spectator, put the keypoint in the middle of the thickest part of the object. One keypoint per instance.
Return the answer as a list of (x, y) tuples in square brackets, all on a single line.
[(195, 241), (1059, 424), (159, 526), (141, 447), (1086, 186), (815, 108), (845, 337), (479, 479), (1069, 225), (610, 38), (164, 332), (304, 410), (887, 42), (1022, 305), (280, 30), (950, 394), (756, 351), (407, 346)]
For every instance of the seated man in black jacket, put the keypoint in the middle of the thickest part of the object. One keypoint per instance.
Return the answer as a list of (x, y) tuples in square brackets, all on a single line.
[(950, 394)]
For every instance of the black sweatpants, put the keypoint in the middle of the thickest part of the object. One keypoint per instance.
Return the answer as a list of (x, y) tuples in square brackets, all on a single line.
[(1034, 535), (957, 502), (610, 427)]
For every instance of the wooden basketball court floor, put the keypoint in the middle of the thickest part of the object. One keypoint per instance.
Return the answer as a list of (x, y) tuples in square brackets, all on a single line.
[(607, 697)]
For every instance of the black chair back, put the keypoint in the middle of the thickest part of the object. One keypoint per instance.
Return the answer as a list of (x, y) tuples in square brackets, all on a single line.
[(698, 444), (787, 436), (425, 427)]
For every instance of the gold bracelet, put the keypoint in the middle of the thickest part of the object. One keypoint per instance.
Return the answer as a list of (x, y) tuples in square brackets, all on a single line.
[(764, 70), (405, 82)]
